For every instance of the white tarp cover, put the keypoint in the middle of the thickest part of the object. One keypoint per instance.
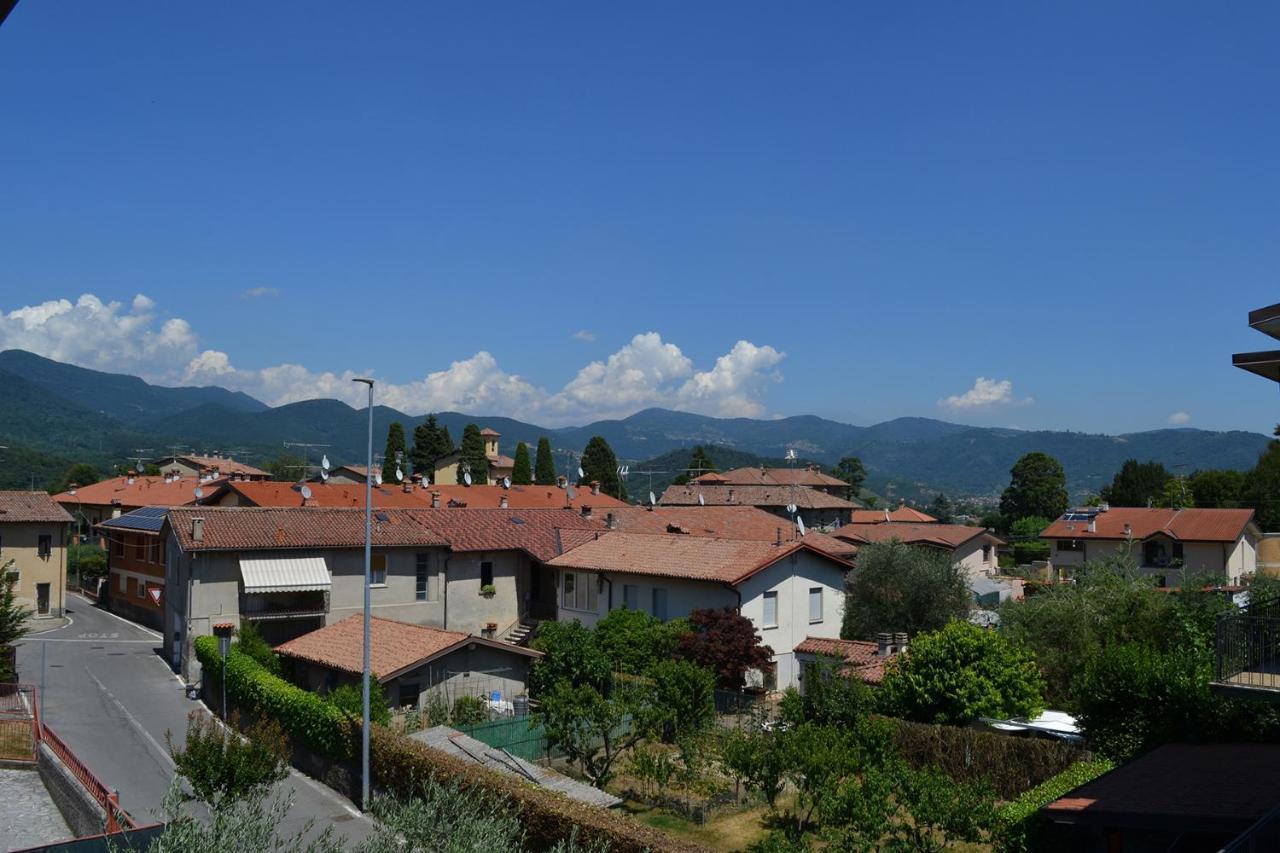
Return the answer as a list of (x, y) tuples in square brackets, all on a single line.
[(285, 574)]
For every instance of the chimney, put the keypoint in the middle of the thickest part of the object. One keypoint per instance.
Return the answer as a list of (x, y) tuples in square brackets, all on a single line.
[(562, 481), (1128, 530), (586, 511), (197, 530), (129, 479), (884, 644), (1093, 525), (900, 642), (408, 487), (595, 487), (502, 501), (1104, 506), (435, 500), (731, 496), (611, 521), (777, 540)]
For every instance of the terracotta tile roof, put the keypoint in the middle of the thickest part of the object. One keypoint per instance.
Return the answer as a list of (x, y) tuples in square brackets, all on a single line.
[(1187, 525), (940, 535), (1225, 786), (489, 431), (860, 655), (724, 495), (221, 464), (143, 491), (774, 477), (902, 513), (537, 532), (501, 462), (394, 646), (522, 497), (268, 528), (31, 507), (728, 561), (475, 497), (723, 522)]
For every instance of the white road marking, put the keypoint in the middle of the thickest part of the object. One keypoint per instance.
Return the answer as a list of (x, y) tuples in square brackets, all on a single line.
[(70, 622), (120, 618), (161, 751), (92, 640)]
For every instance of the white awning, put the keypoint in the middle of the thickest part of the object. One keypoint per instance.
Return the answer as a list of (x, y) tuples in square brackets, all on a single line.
[(291, 574)]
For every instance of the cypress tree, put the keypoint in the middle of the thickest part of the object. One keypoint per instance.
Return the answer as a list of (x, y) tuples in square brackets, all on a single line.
[(544, 467), (599, 463), (395, 445), (426, 438), (522, 471), (473, 456), (699, 463)]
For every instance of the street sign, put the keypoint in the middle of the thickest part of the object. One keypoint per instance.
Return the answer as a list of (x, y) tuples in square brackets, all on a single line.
[(155, 592)]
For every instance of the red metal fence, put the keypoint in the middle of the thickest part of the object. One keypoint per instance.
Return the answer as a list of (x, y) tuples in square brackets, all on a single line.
[(117, 818)]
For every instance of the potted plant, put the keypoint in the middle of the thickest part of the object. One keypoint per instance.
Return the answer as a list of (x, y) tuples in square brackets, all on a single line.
[(488, 590)]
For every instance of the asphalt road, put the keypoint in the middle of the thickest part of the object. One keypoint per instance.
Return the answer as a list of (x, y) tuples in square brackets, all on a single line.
[(113, 699)]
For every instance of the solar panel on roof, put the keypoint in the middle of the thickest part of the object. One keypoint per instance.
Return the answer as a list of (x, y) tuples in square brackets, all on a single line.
[(381, 516)]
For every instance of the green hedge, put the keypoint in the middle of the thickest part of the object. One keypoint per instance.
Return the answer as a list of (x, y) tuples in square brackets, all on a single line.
[(398, 763), (1019, 823), (1010, 765)]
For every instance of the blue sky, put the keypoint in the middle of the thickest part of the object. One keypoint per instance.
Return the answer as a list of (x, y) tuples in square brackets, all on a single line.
[(563, 211)]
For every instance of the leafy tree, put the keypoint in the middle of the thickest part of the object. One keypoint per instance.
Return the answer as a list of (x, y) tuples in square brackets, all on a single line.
[(14, 619), (727, 643), (222, 767), (960, 673), (590, 726), (759, 758), (599, 464), (1177, 493), (1136, 484), (940, 508), (1029, 527), (349, 698), (544, 469), (851, 470), (570, 654), (832, 698), (634, 641), (430, 442), (522, 471), (473, 457), (286, 468), (468, 711), (1262, 488), (251, 823), (1037, 486), (81, 473), (394, 455), (684, 696), (1217, 488), (699, 463), (900, 587), (1027, 545), (252, 644), (86, 562)]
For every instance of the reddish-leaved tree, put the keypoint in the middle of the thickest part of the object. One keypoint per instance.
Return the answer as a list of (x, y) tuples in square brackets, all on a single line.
[(725, 642)]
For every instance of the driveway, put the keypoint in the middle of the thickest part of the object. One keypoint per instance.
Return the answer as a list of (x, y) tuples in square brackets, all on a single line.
[(111, 697)]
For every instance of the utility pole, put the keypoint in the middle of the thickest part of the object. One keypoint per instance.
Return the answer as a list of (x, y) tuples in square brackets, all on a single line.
[(368, 560)]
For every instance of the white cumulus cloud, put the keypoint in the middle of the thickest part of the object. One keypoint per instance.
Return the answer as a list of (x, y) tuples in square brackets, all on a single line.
[(985, 394), (1179, 418), (646, 371)]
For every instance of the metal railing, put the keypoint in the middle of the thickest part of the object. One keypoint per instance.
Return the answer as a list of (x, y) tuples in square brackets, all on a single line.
[(117, 818), (1248, 646), (1261, 836), (19, 722)]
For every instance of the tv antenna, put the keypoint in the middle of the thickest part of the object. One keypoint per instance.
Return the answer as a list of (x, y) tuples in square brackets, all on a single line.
[(140, 458), (307, 447), (627, 472)]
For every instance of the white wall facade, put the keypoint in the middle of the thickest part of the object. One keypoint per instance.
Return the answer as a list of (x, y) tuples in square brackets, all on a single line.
[(971, 556), (1231, 561)]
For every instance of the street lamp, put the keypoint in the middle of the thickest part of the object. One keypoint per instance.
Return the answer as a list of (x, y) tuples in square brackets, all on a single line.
[(223, 631), (368, 558)]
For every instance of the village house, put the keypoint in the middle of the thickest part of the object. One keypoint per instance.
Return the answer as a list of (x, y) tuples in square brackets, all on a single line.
[(352, 474), (1168, 543), (861, 659), (820, 510), (973, 548), (409, 662), (33, 548), (446, 467), (789, 591), (93, 504), (902, 513), (211, 467), (808, 477), (411, 494), (135, 564), (722, 522)]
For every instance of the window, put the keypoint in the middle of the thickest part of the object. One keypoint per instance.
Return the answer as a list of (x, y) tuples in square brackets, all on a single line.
[(156, 551), (408, 697), (124, 583), (771, 610), (580, 591), (1070, 545), (117, 546), (378, 570), (486, 573), (631, 596), (815, 604), (1177, 551), (986, 553), (44, 545), (422, 579), (15, 575), (660, 604), (140, 588)]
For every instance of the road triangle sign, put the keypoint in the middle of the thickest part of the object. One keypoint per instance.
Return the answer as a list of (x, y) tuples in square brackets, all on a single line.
[(155, 592)]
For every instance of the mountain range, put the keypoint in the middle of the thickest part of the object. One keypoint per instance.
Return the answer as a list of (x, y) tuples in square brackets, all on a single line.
[(52, 414)]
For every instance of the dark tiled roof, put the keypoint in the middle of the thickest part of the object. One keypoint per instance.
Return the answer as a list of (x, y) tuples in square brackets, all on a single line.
[(723, 522), (264, 528), (1188, 525), (725, 495), (861, 656), (940, 535), (30, 507)]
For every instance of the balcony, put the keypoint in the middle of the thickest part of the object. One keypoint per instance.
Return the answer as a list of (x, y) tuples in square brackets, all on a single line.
[(283, 605), (1248, 651)]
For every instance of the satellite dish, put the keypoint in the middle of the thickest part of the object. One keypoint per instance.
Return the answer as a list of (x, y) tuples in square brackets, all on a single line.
[(569, 492), (199, 493), (306, 493), (791, 508), (324, 462), (701, 500), (791, 453), (399, 476), (506, 482), (377, 478), (324, 476), (652, 499), (426, 479), (466, 478), (800, 524), (581, 474)]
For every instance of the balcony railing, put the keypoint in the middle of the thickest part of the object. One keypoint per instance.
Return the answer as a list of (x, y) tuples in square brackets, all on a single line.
[(1248, 648), (284, 605)]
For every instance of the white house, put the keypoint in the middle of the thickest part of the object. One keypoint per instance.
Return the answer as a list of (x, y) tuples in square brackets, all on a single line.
[(790, 591), (1170, 543), (973, 548)]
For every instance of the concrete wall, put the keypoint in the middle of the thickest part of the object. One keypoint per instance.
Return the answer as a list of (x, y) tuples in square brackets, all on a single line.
[(1230, 561), (969, 555), (469, 611), (80, 810), (20, 542)]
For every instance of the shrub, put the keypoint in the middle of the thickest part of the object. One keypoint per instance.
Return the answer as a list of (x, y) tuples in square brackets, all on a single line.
[(727, 643), (1030, 551), (900, 587), (469, 711), (251, 643), (684, 694), (349, 699), (959, 674), (831, 698), (633, 640), (1018, 823), (221, 767), (570, 654)]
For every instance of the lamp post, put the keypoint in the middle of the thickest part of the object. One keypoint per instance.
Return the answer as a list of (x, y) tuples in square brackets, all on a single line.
[(223, 632), (368, 557)]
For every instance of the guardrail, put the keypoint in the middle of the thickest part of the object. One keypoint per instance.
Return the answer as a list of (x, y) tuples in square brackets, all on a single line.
[(117, 818)]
